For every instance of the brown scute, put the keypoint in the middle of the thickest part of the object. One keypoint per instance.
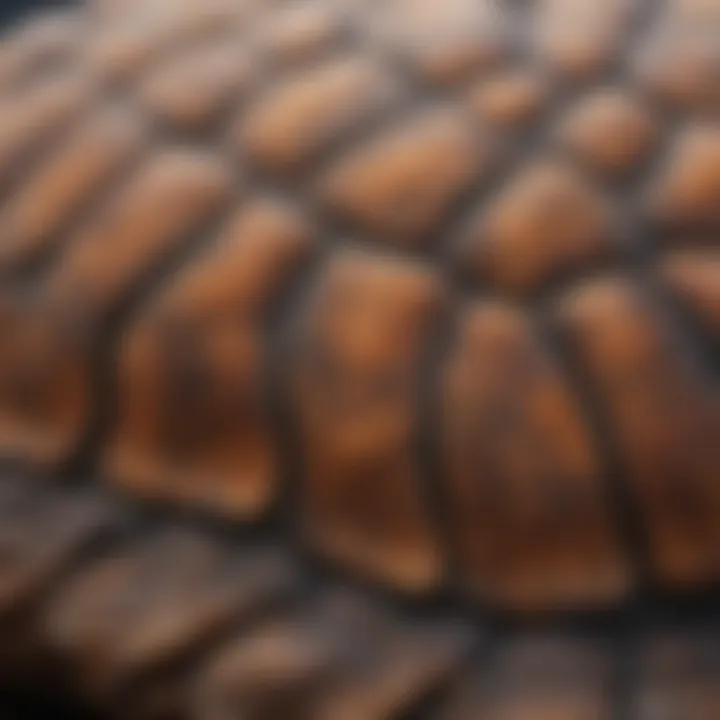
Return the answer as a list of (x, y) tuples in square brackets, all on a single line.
[(541, 678), (580, 39), (193, 425), (444, 42), (529, 511), (188, 92), (401, 184), (355, 374), (130, 41), (664, 418), (680, 675), (510, 99), (154, 213), (45, 400), (371, 688), (694, 277), (677, 63), (60, 187), (547, 221), (293, 123), (46, 361), (303, 32), (38, 536), (41, 536), (686, 193), (30, 118), (141, 607), (609, 130), (280, 668), (307, 667)]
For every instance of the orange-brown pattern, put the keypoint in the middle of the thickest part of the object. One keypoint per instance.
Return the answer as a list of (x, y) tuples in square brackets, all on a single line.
[(293, 123), (429, 289), (664, 419), (401, 185), (548, 220), (355, 378), (525, 483), (192, 423)]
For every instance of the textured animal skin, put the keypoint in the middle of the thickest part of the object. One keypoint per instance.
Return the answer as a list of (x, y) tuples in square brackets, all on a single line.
[(359, 359)]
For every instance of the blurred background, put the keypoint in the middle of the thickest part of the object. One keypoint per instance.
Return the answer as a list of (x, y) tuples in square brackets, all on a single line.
[(11, 10)]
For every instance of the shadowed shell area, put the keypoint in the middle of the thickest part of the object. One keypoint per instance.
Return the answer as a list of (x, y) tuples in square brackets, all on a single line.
[(359, 360)]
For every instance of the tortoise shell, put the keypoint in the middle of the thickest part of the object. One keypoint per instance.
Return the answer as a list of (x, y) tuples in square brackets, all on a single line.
[(341, 338)]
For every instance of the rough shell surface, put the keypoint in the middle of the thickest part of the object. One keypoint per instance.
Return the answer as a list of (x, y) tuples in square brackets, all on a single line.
[(335, 335)]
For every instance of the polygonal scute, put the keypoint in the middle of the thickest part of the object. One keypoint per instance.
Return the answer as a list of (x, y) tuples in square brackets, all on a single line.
[(346, 659), (294, 122), (686, 193), (33, 220), (677, 62), (193, 421), (401, 184), (40, 535), (143, 608), (303, 32), (679, 675), (28, 118), (445, 42), (355, 378), (396, 665), (509, 100), (43, 536), (51, 336), (664, 419), (530, 514), (550, 677), (546, 222), (189, 90), (693, 277), (609, 130), (156, 212), (126, 44), (580, 38), (45, 370), (278, 669)]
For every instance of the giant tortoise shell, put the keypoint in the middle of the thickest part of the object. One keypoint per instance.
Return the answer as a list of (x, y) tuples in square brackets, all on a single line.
[(359, 359)]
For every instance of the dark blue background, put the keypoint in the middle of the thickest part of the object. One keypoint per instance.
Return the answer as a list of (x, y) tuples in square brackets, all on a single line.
[(11, 10)]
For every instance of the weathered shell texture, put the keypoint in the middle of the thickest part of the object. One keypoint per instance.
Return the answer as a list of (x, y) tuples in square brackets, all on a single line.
[(359, 358)]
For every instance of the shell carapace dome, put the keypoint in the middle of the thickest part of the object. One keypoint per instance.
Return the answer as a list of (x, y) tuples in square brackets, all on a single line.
[(378, 314)]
